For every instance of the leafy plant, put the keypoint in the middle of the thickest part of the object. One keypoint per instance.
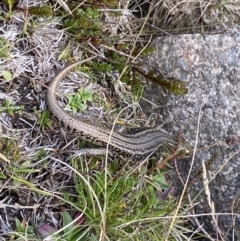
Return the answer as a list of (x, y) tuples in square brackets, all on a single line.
[(12, 150), (118, 63), (73, 230), (172, 85), (24, 229), (41, 11), (84, 23), (4, 48), (130, 201), (44, 118), (79, 100), (10, 108)]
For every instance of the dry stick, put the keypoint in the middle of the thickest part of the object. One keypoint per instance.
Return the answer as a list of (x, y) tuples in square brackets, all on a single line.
[(209, 200)]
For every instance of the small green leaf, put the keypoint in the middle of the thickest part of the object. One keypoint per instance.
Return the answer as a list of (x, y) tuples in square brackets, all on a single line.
[(9, 3), (18, 225), (65, 54), (85, 95), (4, 49), (43, 118), (74, 109), (68, 230), (79, 100), (6, 75), (9, 108)]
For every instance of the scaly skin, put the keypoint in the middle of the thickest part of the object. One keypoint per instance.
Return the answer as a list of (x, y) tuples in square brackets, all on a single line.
[(137, 145)]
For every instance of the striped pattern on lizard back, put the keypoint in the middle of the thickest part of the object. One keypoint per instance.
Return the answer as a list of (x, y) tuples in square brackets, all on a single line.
[(137, 145)]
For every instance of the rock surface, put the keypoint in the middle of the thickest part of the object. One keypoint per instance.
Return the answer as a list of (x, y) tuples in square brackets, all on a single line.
[(210, 66)]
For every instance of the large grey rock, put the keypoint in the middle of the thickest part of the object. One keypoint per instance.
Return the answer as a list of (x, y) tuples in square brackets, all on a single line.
[(210, 66)]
